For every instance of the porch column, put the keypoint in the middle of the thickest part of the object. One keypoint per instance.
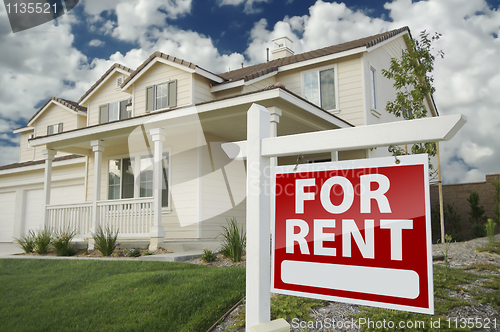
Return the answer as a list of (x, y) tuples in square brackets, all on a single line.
[(275, 119), (98, 149), (48, 156), (157, 233)]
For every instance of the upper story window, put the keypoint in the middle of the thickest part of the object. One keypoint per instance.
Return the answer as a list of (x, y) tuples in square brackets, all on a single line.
[(319, 87), (124, 183), (373, 82), (161, 96), (55, 128), (114, 111)]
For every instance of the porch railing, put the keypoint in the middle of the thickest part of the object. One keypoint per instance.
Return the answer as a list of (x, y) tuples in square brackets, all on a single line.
[(76, 217), (131, 217)]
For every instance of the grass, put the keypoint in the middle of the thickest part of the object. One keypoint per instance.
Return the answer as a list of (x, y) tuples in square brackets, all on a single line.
[(490, 247), (79, 295)]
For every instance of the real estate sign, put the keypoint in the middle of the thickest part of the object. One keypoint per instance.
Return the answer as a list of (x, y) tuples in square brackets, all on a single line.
[(355, 231)]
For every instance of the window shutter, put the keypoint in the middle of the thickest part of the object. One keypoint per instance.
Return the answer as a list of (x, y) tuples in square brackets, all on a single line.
[(48, 130), (149, 98), (60, 127), (123, 110), (172, 93), (103, 113)]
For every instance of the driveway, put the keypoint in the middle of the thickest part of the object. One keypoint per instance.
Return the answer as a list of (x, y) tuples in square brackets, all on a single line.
[(9, 249)]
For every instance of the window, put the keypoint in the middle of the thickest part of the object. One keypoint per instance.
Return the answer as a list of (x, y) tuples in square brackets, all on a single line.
[(55, 129), (319, 88), (114, 111), (124, 183), (161, 96), (121, 178), (374, 88)]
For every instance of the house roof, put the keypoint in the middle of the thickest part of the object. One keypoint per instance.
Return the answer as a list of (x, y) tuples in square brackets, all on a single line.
[(255, 71), (37, 162), (102, 78), (271, 87), (64, 102), (174, 60)]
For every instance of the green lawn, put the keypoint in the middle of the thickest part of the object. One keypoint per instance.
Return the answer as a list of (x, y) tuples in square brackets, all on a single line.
[(80, 295)]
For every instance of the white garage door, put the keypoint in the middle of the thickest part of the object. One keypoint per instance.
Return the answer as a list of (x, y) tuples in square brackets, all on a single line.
[(7, 208), (33, 210)]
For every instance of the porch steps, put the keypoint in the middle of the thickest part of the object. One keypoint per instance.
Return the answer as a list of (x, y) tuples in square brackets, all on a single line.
[(173, 257)]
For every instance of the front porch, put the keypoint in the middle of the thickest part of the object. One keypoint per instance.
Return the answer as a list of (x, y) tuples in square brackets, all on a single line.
[(164, 177)]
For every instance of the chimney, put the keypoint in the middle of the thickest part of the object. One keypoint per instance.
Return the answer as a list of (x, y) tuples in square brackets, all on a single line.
[(282, 47)]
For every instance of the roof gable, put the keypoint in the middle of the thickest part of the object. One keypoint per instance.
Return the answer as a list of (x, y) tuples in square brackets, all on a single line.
[(65, 104), (114, 68), (168, 60)]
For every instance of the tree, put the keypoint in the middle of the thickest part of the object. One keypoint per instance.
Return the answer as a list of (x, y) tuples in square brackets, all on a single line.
[(476, 216), (413, 83)]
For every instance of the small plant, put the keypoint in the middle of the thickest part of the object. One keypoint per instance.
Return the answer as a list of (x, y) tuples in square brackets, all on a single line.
[(208, 256), (62, 243), (234, 240), (148, 253), (134, 253), (105, 240), (447, 239), (43, 239), (27, 242), (490, 231)]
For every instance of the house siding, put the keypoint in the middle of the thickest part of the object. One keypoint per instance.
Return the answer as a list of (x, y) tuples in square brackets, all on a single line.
[(260, 84), (26, 153), (157, 74), (223, 189), (202, 89)]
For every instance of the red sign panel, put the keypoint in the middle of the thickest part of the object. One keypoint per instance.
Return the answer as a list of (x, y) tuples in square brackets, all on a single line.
[(356, 232)]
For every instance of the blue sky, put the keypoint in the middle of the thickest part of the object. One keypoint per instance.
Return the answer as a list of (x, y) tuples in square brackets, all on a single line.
[(64, 58)]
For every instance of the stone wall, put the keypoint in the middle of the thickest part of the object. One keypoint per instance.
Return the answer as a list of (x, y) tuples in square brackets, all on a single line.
[(457, 194)]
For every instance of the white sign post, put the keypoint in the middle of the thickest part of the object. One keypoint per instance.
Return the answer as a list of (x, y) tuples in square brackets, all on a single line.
[(260, 147)]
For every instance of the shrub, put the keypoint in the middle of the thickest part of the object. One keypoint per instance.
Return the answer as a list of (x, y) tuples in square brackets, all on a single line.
[(62, 243), (451, 222), (105, 240), (27, 242), (234, 240), (208, 255), (134, 253), (43, 239)]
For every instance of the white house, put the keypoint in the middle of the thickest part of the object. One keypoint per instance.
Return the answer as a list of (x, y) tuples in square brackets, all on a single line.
[(141, 149)]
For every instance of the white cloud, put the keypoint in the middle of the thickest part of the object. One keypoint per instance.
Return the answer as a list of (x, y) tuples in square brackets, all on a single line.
[(249, 5), (96, 43), (134, 17), (38, 62)]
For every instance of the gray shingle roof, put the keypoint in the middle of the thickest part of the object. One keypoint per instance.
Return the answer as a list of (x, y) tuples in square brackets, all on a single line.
[(254, 71)]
